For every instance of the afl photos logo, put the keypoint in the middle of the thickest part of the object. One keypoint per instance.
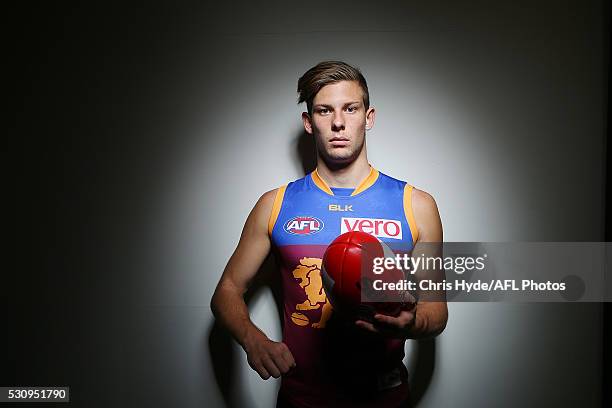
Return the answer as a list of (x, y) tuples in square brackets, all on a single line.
[(303, 225)]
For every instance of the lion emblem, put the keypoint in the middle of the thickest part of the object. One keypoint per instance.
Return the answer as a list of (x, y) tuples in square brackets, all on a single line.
[(309, 273)]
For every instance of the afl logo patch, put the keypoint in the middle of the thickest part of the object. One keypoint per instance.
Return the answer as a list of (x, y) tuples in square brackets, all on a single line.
[(303, 225)]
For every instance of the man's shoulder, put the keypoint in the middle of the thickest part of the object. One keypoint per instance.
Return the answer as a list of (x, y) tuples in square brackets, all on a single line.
[(427, 215), (267, 198), (422, 201)]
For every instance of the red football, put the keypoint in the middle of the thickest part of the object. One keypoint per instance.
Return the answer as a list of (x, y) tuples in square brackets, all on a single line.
[(347, 276)]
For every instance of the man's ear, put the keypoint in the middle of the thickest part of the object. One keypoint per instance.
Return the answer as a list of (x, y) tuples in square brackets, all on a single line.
[(370, 116), (307, 122)]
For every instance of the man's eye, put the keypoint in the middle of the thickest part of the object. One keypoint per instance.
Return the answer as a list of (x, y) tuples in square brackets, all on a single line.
[(323, 111), (351, 109)]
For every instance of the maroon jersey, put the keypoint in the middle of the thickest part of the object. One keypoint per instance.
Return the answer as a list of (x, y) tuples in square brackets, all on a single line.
[(337, 363)]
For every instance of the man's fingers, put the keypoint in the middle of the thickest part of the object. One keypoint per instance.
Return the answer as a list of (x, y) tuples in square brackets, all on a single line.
[(281, 364), (283, 358), (272, 359), (261, 370), (390, 320), (366, 325), (271, 367), (288, 357), (401, 321), (408, 299)]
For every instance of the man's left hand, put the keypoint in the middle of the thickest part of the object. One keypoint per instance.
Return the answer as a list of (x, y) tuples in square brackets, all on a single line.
[(399, 326)]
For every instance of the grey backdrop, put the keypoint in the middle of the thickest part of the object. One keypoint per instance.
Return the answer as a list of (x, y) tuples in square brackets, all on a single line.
[(147, 134)]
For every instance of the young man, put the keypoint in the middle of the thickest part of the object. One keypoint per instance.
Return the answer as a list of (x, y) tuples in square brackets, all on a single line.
[(324, 361)]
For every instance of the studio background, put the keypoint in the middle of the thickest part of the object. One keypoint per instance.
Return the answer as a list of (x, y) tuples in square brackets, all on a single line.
[(144, 136)]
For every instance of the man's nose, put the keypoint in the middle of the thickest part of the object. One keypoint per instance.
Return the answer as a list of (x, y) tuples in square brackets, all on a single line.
[(338, 121)]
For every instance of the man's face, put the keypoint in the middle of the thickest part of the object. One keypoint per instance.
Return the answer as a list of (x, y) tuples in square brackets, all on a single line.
[(339, 121)]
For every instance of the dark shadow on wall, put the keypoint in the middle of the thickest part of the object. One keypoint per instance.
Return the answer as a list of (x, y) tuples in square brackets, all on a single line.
[(224, 356), (305, 151), (424, 355)]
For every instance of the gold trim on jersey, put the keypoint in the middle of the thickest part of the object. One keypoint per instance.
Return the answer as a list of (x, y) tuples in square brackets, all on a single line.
[(409, 213), (319, 182), (367, 182), (364, 185), (276, 207)]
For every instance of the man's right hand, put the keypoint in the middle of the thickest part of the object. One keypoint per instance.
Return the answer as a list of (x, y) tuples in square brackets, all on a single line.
[(267, 357)]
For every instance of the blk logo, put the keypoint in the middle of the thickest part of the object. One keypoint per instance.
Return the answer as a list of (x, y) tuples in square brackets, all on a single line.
[(303, 225), (338, 207)]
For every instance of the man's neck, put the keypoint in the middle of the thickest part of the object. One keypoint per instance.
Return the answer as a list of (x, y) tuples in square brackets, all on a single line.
[(349, 176)]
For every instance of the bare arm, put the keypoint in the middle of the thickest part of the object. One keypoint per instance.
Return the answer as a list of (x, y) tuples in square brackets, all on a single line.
[(264, 355), (431, 316)]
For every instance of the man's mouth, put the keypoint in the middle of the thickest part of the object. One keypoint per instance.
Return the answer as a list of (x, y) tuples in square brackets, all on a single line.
[(339, 141)]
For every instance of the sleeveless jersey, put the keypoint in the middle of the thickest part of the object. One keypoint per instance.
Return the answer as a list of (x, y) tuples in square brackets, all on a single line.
[(336, 364)]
